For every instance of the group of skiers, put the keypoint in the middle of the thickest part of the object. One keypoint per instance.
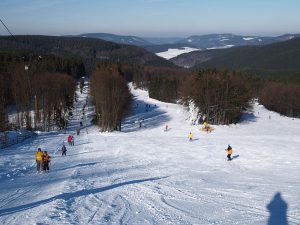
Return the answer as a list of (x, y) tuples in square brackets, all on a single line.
[(206, 127), (71, 140), (228, 149), (42, 161)]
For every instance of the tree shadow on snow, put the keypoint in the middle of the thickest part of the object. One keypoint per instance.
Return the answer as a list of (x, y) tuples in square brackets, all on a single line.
[(143, 116), (278, 211), (68, 196), (248, 117)]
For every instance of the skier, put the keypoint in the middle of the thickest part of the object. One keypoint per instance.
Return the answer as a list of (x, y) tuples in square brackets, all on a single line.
[(190, 136), (64, 150), (166, 128), (70, 139), (206, 126), (46, 161), (78, 131), (229, 152), (39, 160)]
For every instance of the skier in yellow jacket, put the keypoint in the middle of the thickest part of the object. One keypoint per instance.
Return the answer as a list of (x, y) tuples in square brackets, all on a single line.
[(206, 126), (190, 136), (39, 160)]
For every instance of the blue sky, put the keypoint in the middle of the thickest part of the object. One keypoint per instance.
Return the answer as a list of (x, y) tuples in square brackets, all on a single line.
[(151, 18)]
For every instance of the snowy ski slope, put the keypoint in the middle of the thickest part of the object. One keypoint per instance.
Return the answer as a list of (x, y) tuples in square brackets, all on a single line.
[(148, 176)]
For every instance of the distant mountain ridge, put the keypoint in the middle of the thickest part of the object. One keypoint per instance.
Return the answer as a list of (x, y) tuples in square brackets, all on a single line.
[(220, 41), (120, 39), (226, 40), (273, 60)]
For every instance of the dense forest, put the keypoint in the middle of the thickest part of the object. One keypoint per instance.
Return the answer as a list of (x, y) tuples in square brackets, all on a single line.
[(281, 97), (111, 96), (36, 90), (221, 96), (162, 83)]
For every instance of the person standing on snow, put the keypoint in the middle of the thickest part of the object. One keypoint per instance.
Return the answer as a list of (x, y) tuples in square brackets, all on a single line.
[(39, 160), (46, 161), (63, 150), (167, 127), (206, 126), (229, 152), (70, 139), (190, 136)]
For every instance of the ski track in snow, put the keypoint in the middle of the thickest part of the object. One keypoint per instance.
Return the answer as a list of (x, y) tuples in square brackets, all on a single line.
[(148, 176)]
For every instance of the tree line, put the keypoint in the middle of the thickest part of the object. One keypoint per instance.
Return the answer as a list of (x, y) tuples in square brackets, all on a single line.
[(36, 93), (281, 97), (221, 95), (39, 63), (111, 96)]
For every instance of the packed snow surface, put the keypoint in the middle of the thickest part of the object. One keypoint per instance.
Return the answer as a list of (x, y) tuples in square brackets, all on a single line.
[(150, 176), (173, 52)]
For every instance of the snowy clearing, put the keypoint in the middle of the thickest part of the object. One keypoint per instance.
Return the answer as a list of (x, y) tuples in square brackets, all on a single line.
[(220, 47), (149, 176), (173, 52), (248, 38)]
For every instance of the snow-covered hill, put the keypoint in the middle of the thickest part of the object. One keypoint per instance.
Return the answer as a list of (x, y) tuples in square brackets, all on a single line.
[(149, 176), (173, 52), (216, 41)]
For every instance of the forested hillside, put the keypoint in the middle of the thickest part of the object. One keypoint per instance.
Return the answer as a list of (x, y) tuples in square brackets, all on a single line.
[(278, 61), (88, 49)]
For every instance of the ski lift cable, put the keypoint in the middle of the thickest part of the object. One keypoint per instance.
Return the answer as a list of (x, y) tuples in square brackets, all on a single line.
[(8, 29)]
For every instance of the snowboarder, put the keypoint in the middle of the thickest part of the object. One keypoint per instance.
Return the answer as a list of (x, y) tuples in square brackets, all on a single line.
[(39, 160), (229, 152), (190, 136), (63, 150), (46, 161)]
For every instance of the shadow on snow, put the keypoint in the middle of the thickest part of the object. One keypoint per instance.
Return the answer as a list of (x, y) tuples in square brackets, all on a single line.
[(68, 196), (278, 211), (149, 117), (248, 117)]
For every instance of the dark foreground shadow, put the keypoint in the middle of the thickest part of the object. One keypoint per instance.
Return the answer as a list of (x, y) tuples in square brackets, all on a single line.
[(278, 211), (68, 196)]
